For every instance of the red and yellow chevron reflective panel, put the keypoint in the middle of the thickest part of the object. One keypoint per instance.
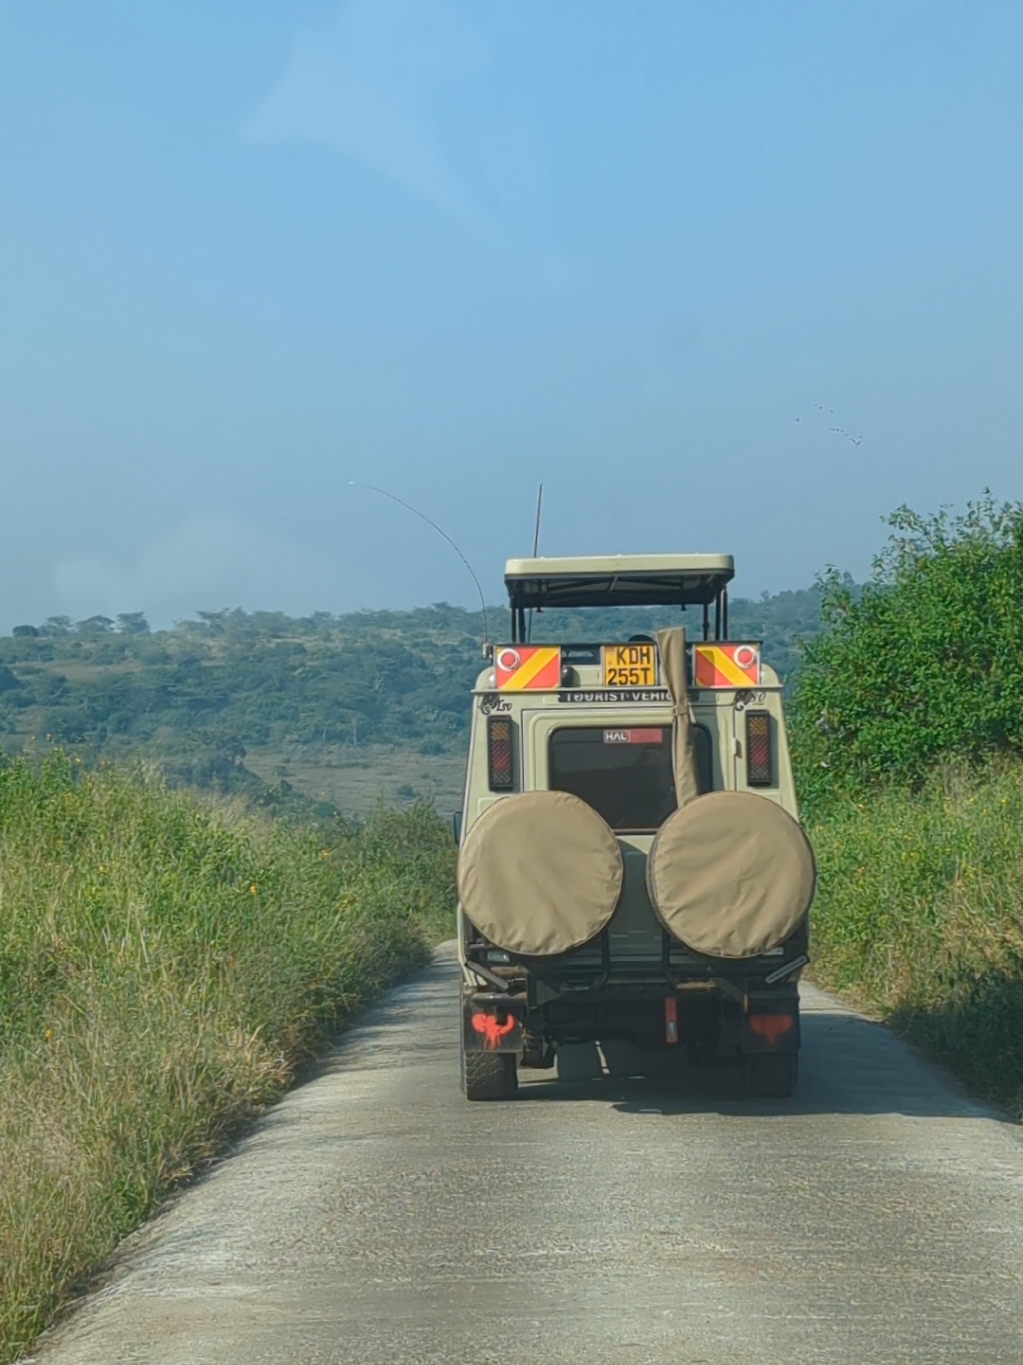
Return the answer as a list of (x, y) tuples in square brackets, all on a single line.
[(527, 668), (726, 665)]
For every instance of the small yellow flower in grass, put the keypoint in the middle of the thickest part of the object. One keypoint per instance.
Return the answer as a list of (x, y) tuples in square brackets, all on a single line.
[(48, 1034), (324, 852), (253, 889)]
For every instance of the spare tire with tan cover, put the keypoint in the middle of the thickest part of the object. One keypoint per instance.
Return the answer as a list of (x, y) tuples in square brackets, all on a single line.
[(540, 873), (731, 874)]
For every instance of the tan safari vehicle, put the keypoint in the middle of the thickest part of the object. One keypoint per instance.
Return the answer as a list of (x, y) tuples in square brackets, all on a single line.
[(631, 866)]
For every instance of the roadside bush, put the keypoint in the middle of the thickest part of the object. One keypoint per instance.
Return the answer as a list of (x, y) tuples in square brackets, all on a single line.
[(925, 665), (165, 965), (907, 727)]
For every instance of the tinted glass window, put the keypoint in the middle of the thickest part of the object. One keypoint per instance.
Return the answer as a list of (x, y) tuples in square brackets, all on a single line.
[(704, 761), (625, 774)]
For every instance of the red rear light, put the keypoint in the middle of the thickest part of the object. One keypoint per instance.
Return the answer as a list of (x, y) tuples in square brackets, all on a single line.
[(499, 754), (759, 758)]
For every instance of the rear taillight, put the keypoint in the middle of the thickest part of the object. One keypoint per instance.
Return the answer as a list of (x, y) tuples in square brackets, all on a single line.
[(499, 754), (759, 759)]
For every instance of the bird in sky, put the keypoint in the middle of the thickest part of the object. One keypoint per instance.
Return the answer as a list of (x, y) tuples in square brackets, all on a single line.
[(836, 430)]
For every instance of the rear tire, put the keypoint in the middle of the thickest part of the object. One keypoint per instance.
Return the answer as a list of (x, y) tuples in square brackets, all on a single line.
[(489, 1075), (772, 1075)]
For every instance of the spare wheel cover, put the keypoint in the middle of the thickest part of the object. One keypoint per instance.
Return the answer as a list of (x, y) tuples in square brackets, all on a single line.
[(540, 873), (731, 874)]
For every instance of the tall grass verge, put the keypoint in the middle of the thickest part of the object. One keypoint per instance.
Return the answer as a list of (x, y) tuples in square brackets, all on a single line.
[(165, 965), (919, 916)]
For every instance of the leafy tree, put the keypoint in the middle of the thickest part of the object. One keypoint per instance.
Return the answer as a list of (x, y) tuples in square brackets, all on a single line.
[(94, 625), (927, 664)]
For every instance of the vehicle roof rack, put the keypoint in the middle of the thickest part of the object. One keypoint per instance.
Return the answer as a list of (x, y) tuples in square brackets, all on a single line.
[(617, 580)]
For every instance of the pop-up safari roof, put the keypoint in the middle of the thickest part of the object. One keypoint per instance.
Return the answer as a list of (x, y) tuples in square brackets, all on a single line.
[(617, 580)]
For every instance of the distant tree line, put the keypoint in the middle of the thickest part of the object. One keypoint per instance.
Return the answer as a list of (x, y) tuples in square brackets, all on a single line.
[(200, 697)]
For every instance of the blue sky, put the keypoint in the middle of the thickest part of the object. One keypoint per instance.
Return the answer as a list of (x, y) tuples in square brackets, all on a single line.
[(252, 251)]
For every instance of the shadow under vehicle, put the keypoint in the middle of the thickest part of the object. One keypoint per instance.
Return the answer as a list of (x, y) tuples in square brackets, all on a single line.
[(631, 866)]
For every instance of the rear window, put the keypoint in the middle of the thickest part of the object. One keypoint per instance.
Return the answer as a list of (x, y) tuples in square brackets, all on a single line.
[(623, 773)]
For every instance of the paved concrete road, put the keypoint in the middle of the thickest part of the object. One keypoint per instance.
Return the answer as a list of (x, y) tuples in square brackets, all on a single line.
[(375, 1217)]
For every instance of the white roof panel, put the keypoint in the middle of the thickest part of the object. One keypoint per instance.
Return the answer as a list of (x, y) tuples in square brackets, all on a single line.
[(617, 580)]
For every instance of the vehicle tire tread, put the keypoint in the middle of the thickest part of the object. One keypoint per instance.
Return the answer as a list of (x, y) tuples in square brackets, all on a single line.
[(489, 1075)]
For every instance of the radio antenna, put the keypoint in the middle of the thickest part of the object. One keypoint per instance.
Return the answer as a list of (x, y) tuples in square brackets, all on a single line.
[(536, 550), (357, 483)]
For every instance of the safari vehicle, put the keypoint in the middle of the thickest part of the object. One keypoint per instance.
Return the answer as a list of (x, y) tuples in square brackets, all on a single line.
[(631, 866)]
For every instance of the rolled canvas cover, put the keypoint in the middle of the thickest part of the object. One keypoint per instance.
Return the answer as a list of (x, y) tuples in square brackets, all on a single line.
[(540, 873), (672, 646), (731, 874)]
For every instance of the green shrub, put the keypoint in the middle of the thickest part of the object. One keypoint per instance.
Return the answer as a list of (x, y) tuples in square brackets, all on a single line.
[(165, 964), (925, 665)]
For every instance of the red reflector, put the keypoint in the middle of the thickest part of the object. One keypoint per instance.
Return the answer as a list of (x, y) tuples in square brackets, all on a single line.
[(758, 749), (771, 1026), (499, 754), (670, 1020), (634, 736)]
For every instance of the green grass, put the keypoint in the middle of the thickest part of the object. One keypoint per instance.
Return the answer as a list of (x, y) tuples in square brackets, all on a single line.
[(919, 916), (165, 965)]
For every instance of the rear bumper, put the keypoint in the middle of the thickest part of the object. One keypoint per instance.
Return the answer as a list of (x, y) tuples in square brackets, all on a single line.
[(719, 1023), (719, 1008)]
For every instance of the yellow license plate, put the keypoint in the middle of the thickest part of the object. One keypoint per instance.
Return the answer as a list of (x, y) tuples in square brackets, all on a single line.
[(630, 666)]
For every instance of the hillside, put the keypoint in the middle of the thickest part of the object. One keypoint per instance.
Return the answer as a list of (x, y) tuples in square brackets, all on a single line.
[(339, 709)]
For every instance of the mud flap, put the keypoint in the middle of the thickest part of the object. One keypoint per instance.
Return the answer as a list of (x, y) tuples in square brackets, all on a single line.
[(772, 1025), (487, 1027)]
